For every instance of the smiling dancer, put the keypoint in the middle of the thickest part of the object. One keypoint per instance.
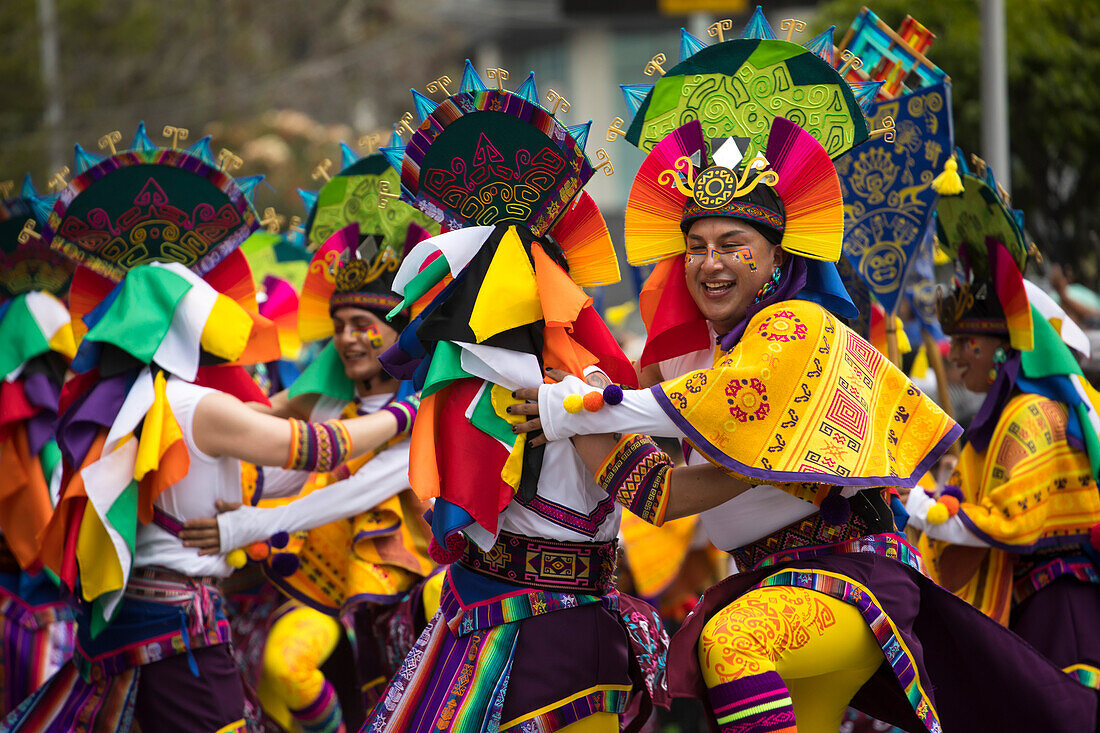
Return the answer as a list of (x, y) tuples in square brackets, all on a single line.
[(1015, 531), (152, 431), (764, 382)]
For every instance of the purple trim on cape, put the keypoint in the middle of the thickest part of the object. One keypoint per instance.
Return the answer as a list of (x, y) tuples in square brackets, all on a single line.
[(984, 423), (1066, 540), (703, 446), (97, 408), (791, 281)]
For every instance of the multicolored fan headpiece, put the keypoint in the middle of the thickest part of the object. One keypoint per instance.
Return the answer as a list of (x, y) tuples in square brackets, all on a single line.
[(153, 205), (355, 266), (484, 157), (976, 227), (792, 190), (738, 87)]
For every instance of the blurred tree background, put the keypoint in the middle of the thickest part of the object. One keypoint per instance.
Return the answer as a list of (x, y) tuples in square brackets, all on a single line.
[(279, 82), (1053, 55)]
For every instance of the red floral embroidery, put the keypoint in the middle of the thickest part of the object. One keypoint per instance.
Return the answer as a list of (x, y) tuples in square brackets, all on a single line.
[(748, 399), (782, 326)]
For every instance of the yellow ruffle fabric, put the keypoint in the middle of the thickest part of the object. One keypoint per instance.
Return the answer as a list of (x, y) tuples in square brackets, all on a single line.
[(802, 398)]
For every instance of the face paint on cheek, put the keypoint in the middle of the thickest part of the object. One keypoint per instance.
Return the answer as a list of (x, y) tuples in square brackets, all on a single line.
[(744, 254), (375, 337)]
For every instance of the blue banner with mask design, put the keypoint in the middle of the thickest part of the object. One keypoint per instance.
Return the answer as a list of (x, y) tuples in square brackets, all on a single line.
[(886, 183)]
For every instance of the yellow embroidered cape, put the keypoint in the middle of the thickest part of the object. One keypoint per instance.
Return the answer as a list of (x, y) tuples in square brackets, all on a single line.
[(802, 399), (1029, 489)]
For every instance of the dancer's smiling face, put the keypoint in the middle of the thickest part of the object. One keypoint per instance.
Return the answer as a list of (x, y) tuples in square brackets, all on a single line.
[(726, 263), (360, 338)]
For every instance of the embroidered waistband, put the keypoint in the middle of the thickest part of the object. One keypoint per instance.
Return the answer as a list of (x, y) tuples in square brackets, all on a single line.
[(870, 515), (1035, 576), (553, 565), (202, 622)]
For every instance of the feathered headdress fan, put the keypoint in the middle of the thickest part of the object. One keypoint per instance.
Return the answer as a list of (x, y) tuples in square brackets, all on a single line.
[(162, 289), (496, 299)]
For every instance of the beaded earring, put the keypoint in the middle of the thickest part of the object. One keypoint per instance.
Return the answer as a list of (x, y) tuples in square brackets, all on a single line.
[(999, 357), (770, 286)]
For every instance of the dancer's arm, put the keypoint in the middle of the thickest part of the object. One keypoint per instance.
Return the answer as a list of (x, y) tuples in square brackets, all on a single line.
[(684, 490), (384, 476), (225, 426)]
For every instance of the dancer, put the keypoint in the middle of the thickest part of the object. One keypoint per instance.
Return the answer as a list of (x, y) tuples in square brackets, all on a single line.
[(766, 384), (152, 431), (36, 624), (531, 633), (361, 544), (1010, 533)]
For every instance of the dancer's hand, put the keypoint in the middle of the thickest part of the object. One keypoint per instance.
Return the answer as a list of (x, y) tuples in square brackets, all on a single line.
[(203, 533), (594, 378)]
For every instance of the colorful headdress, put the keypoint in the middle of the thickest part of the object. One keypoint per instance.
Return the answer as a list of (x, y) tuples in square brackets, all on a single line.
[(802, 200), (358, 273), (738, 87), (499, 297), (488, 156), (163, 289), (754, 96), (33, 282), (977, 228)]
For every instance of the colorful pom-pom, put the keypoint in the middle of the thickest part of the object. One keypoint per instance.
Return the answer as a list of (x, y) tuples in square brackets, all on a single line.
[(937, 514), (573, 404), (258, 551), (284, 564), (1094, 537), (593, 401), (236, 558), (954, 491), (951, 503), (835, 509), (279, 540), (612, 394)]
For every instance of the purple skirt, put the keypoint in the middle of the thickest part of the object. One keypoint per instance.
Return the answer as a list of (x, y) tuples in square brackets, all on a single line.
[(948, 667), (1062, 620)]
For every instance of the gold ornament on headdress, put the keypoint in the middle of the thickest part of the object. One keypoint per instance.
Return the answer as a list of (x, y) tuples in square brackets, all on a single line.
[(717, 185), (354, 275)]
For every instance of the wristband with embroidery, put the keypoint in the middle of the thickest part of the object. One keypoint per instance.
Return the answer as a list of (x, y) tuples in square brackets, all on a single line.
[(405, 412), (319, 447), (638, 474)]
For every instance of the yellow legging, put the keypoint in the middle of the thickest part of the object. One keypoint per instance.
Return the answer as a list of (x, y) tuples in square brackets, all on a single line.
[(821, 648), (297, 645)]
